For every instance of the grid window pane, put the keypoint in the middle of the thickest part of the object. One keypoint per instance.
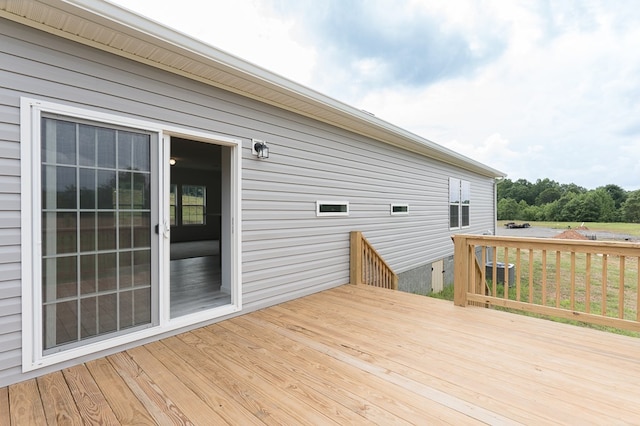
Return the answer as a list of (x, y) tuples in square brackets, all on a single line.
[(465, 215), (125, 229), (107, 272), (124, 150), (141, 229), (106, 148), (107, 313), (59, 232), (140, 145), (140, 195), (173, 196), (141, 306), (465, 191), (87, 189), (454, 215), (142, 268), (60, 323), (93, 206), (193, 204), (454, 190), (125, 270), (106, 190), (88, 274), (125, 191), (126, 309), (87, 231), (86, 145), (107, 231), (88, 317)]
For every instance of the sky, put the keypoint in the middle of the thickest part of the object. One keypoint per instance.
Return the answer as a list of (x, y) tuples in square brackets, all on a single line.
[(534, 88)]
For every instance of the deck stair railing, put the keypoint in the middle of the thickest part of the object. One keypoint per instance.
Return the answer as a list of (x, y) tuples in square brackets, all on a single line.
[(595, 282), (367, 266)]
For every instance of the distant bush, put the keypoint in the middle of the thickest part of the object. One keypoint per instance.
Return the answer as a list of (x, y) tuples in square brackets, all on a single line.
[(548, 200)]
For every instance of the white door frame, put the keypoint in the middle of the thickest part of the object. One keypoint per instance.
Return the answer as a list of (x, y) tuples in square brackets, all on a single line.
[(30, 116)]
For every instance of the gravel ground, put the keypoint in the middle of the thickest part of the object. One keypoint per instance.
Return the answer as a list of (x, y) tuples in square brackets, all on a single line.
[(539, 232)]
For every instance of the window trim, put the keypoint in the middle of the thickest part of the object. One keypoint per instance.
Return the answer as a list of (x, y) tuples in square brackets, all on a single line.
[(320, 213), (31, 111), (404, 206), (460, 203)]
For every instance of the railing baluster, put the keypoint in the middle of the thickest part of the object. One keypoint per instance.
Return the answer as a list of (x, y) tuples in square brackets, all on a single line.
[(473, 285), (518, 273), (505, 278), (483, 269), (587, 279), (638, 289), (557, 278), (603, 307), (621, 289), (530, 275), (494, 275), (573, 280), (544, 277)]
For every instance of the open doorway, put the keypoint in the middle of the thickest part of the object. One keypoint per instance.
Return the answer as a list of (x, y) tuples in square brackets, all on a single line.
[(196, 210)]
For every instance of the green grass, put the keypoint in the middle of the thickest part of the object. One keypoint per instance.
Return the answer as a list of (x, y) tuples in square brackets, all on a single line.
[(447, 294), (619, 228), (588, 290)]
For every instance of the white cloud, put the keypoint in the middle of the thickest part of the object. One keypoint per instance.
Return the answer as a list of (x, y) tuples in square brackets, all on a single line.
[(548, 90), (245, 28)]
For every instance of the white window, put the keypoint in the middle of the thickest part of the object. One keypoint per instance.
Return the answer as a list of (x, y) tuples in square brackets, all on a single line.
[(399, 209), (194, 202), (332, 208), (459, 201)]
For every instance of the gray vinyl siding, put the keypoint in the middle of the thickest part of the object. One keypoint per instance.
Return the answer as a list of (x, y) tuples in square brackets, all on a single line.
[(10, 285), (287, 251)]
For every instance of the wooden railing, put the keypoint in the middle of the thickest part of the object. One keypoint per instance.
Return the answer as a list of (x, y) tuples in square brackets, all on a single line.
[(367, 266), (589, 281)]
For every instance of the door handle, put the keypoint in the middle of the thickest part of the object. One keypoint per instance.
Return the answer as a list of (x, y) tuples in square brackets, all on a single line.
[(166, 229)]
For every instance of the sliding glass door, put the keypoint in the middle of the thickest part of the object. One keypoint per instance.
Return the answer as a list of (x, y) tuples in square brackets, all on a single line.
[(98, 188)]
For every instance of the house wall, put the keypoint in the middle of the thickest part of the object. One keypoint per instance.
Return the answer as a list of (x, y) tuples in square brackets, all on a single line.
[(288, 252)]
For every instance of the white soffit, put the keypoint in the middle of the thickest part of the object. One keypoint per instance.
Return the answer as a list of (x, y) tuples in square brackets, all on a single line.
[(108, 27)]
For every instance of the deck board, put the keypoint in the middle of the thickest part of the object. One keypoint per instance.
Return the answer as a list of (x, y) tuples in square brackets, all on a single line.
[(58, 403), (5, 420), (90, 401), (25, 404), (126, 407), (351, 355)]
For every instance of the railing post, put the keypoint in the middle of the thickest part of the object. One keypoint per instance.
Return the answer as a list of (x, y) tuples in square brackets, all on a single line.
[(355, 261), (460, 270)]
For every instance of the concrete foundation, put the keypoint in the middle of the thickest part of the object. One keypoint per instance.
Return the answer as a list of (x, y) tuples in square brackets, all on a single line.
[(419, 280)]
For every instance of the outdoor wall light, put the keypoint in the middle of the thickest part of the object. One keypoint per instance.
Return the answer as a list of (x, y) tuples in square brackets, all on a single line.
[(172, 161), (259, 148)]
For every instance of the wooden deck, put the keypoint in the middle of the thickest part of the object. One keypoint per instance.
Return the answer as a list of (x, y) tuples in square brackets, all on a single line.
[(351, 355)]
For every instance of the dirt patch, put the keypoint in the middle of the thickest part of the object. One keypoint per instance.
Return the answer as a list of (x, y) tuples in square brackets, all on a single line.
[(571, 234)]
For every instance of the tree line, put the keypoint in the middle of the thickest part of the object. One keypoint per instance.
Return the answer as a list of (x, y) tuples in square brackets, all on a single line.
[(548, 200)]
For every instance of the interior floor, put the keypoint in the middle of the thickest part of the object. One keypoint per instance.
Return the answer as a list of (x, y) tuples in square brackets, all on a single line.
[(196, 280)]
